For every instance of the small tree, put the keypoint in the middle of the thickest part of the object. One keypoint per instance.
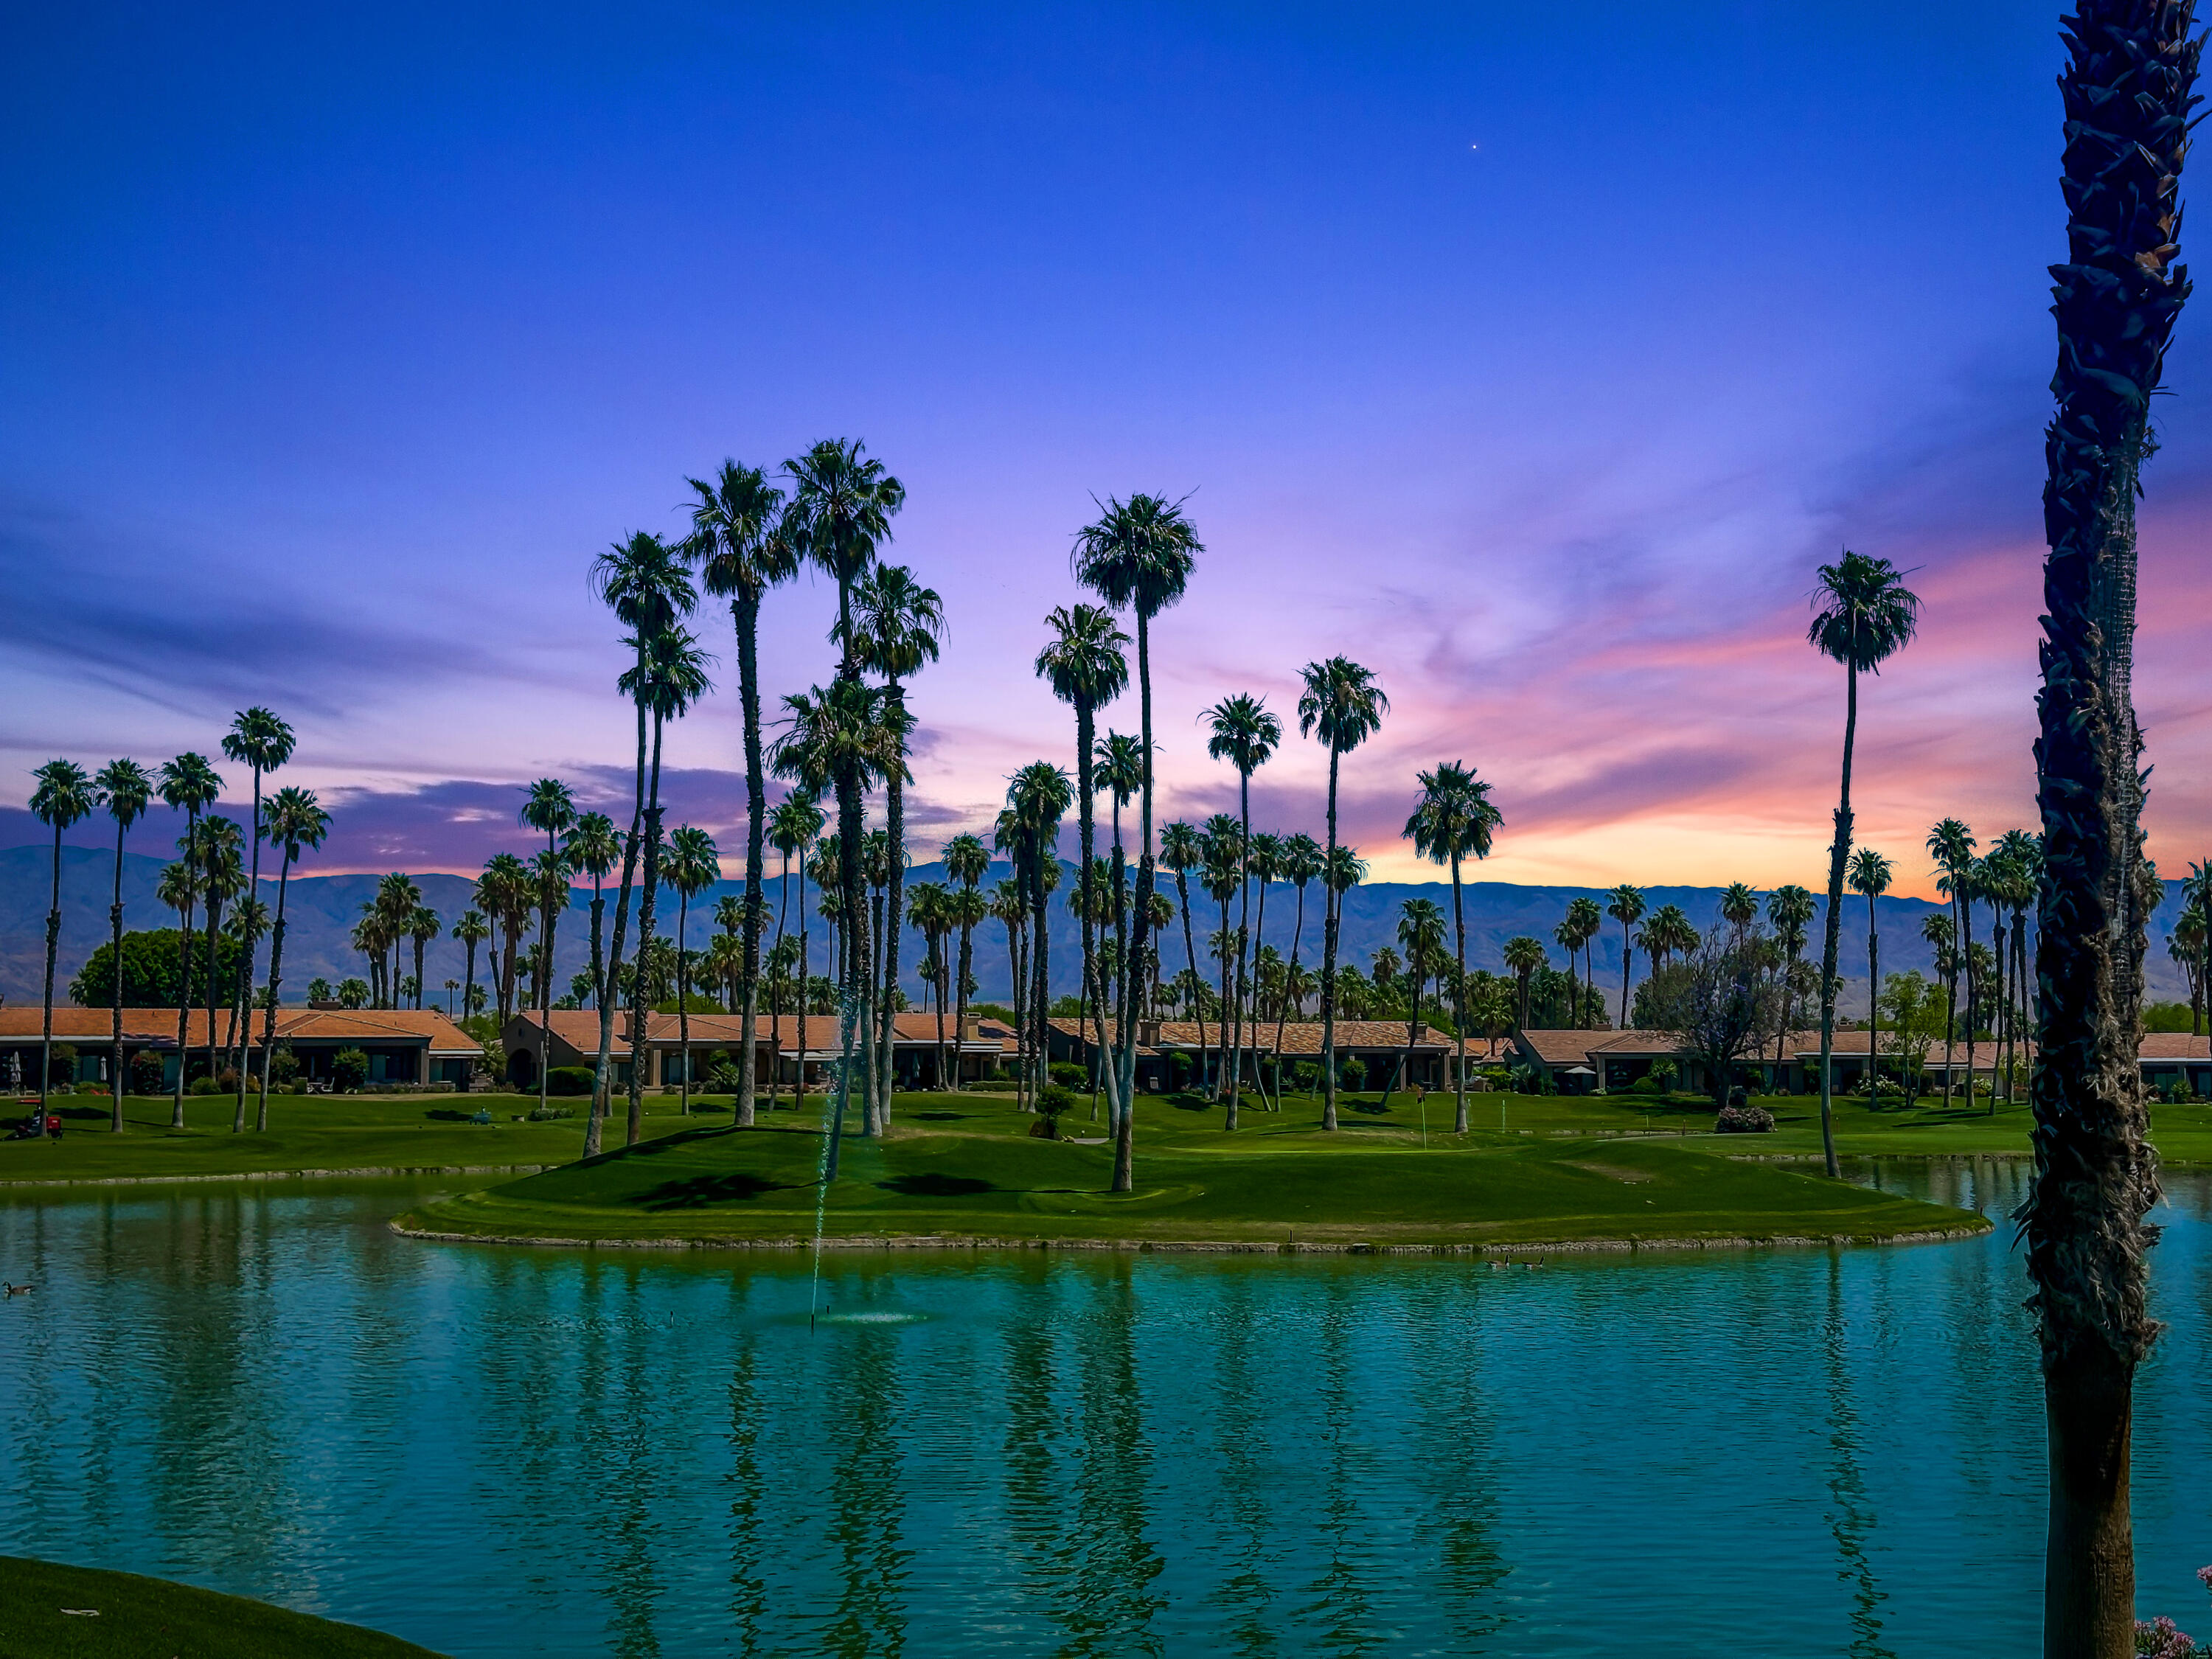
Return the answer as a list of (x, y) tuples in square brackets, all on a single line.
[(1721, 999), (349, 1070), (1912, 1013)]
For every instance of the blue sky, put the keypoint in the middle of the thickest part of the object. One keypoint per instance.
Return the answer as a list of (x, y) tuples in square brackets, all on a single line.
[(1534, 357)]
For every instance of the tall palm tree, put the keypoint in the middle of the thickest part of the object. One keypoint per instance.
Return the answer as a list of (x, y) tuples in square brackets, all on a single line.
[(1863, 615), (694, 865), (1789, 908), (1951, 844), (471, 930), (791, 828), (1455, 820), (1871, 874), (647, 583), (2022, 856), (1139, 553), (1010, 905), (549, 808), (1120, 773), (503, 893), (1585, 921), (189, 784), (179, 890), (1524, 954), (1242, 731), (1739, 908), (126, 788), (2129, 89), (842, 736), (1263, 863), (1223, 841), (901, 626), (260, 742), (1625, 904), (223, 875), (591, 845), (1037, 798), (1182, 850), (1421, 935), (1342, 705), (297, 820), (1086, 666), (672, 678), (1302, 861), (63, 796), (928, 911), (744, 547)]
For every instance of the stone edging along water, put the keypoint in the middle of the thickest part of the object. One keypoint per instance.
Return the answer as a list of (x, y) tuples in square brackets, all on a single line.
[(1196, 1247), (286, 1175)]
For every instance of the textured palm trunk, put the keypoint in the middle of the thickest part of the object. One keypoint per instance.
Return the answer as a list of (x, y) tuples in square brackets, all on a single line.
[(53, 945), (854, 1022), (184, 986), (1110, 1059), (805, 989), (1329, 897), (1252, 998), (960, 989), (683, 992), (641, 1010), (1459, 1004), (1283, 1008), (1874, 1008), (1221, 1049), (1233, 1015), (894, 917), (1840, 853), (755, 918), (1041, 979), (275, 978), (1966, 963), (117, 1081), (1087, 836), (241, 1025), (2128, 87), (602, 1075), (213, 962), (1125, 1129)]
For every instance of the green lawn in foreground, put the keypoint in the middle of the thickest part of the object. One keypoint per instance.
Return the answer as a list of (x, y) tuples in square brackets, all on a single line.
[(965, 1166), (135, 1618), (311, 1132)]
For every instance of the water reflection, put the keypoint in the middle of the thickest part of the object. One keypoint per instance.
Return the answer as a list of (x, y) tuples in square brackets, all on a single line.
[(1816, 1453)]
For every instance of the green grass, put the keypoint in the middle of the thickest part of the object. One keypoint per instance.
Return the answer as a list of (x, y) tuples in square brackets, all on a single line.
[(965, 1167), (312, 1132), (135, 1617)]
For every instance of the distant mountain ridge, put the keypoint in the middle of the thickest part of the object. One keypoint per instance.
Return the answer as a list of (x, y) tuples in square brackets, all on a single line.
[(321, 910)]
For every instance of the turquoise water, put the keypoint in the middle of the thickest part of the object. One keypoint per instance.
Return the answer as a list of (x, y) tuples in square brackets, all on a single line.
[(513, 1452)]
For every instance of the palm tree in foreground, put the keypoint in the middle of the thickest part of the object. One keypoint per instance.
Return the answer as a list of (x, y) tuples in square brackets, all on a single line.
[(1863, 616), (1455, 820), (1871, 874), (190, 784), (64, 795), (296, 820), (1139, 553), (2128, 86), (260, 742), (694, 866), (1342, 705), (1242, 731), (744, 548), (127, 789)]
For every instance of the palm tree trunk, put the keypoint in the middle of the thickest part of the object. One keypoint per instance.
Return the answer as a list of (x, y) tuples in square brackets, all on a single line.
[(1124, 1130), (1628, 962), (602, 1076), (53, 945), (1283, 1008), (275, 978), (116, 1081), (241, 1026), (1874, 1008), (1233, 1014), (684, 992), (649, 887), (853, 1023), (960, 990), (1459, 1004), (1832, 927), (1123, 1001), (1402, 1072), (1041, 1063), (798, 1082), (894, 914), (1221, 1049), (1252, 994), (184, 985), (755, 918), (1086, 835), (214, 957), (1328, 960)]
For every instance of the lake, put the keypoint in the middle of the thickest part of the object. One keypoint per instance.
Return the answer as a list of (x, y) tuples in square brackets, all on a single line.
[(258, 1389)]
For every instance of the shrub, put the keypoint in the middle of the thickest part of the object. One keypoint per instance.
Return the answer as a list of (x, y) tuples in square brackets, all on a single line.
[(1647, 1084), (1354, 1074), (1744, 1119), (349, 1070), (146, 1072), (203, 1085), (569, 1080), (724, 1079), (1057, 1097), (995, 1086), (1069, 1075), (546, 1114), (283, 1067)]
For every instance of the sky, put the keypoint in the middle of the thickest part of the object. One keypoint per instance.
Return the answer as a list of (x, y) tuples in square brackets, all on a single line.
[(1536, 359)]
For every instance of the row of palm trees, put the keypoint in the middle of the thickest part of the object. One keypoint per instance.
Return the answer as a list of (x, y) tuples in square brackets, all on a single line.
[(219, 866)]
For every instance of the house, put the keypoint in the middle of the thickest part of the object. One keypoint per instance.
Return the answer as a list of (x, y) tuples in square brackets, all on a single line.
[(572, 1037), (1586, 1062), (1177, 1053), (2171, 1057), (404, 1045)]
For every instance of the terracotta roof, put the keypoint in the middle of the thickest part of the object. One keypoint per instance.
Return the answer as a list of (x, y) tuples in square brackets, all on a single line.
[(2171, 1046), (1559, 1048), (1300, 1037), (580, 1029), (158, 1026)]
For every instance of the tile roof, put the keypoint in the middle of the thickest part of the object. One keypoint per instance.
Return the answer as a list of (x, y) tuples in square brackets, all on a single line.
[(580, 1029), (158, 1026), (2170, 1046), (1300, 1037)]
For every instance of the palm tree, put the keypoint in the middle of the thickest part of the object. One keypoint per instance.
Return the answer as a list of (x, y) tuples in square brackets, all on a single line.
[(1223, 842), (179, 890), (1242, 731), (1625, 904), (1139, 554), (2022, 857), (63, 796), (1951, 844), (1343, 706), (744, 548), (126, 788), (2128, 90), (1739, 908), (1037, 798), (549, 808), (189, 784), (503, 893), (1864, 614), (471, 930), (1421, 933), (793, 827), (1871, 874), (1454, 820), (928, 911), (1669, 934), (1010, 905), (1263, 862), (1524, 954), (1120, 773), (647, 583), (259, 741), (1791, 911), (1302, 860), (1182, 850), (223, 877), (694, 865), (592, 847), (297, 820), (424, 926), (901, 626), (1085, 664), (1584, 922), (671, 675)]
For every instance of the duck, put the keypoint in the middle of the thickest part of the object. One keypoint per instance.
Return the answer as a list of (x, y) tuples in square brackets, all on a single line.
[(16, 1290)]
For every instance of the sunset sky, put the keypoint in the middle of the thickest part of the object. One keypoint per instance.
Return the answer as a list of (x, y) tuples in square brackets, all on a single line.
[(1533, 357)]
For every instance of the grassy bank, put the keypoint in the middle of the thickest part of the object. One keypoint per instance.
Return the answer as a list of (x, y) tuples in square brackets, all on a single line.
[(966, 1168), (119, 1615), (310, 1132)]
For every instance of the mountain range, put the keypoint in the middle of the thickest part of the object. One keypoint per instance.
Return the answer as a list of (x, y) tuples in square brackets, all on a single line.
[(320, 912)]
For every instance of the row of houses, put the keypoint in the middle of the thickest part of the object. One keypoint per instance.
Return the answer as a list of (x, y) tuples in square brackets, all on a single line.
[(423, 1048)]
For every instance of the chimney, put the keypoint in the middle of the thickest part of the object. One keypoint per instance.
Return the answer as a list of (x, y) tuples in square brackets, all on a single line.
[(971, 1029), (1148, 1034)]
